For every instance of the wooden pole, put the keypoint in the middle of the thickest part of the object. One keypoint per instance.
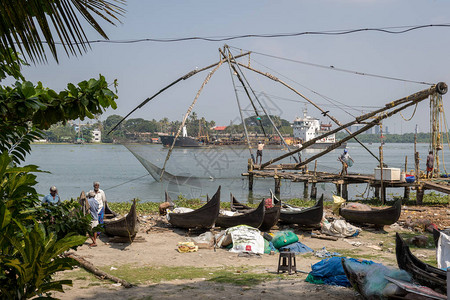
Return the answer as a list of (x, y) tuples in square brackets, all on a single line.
[(383, 191), (406, 164), (406, 194), (313, 191), (91, 268), (338, 189), (410, 100), (419, 197), (345, 191), (277, 185), (305, 190)]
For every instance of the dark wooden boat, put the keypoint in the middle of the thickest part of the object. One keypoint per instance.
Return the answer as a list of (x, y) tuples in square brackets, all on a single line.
[(127, 226), (408, 290), (252, 217), (109, 213), (378, 217), (423, 273), (204, 217), (271, 215), (310, 216)]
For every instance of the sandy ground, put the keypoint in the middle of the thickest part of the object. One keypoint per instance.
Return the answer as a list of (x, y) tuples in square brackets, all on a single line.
[(155, 246)]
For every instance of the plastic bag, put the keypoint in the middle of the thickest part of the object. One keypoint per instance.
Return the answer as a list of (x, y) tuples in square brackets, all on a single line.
[(337, 202), (246, 239), (283, 238)]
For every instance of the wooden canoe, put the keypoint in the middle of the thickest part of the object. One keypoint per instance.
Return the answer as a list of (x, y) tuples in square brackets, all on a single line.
[(271, 215), (378, 217), (204, 217), (252, 217), (109, 213), (310, 216), (126, 226), (423, 273), (357, 278)]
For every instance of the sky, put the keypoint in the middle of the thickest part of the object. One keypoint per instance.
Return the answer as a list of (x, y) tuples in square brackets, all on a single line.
[(142, 69)]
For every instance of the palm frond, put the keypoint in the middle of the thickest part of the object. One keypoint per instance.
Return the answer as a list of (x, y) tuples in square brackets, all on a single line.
[(26, 25)]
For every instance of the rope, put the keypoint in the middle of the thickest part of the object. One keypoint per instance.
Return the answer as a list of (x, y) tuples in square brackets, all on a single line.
[(208, 77), (112, 187), (414, 112)]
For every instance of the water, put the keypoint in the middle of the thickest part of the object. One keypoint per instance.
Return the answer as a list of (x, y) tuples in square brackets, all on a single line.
[(75, 167)]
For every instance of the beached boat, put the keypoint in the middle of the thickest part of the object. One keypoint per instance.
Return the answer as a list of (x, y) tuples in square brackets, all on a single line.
[(378, 217), (109, 213), (406, 290), (204, 217), (126, 226), (253, 218), (309, 216), (423, 273), (271, 215)]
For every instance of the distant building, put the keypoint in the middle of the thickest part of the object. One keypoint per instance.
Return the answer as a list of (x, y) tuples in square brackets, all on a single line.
[(219, 128), (97, 136)]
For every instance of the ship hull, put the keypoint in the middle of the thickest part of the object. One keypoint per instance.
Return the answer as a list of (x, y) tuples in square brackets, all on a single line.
[(187, 141)]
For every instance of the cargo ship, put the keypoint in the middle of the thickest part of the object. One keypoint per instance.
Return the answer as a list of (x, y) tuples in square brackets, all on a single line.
[(182, 141), (307, 128)]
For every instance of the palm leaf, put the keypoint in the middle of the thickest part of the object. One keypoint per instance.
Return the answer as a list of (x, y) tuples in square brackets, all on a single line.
[(25, 25)]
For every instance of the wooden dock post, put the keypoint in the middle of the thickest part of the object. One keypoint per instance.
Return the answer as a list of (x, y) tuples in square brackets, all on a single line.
[(377, 192), (313, 191), (406, 194), (419, 195), (305, 190), (338, 189), (250, 174), (277, 184), (383, 189), (345, 191)]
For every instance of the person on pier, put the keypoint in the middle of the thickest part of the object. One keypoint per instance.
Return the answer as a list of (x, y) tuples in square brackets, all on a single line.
[(259, 152), (430, 164), (346, 160)]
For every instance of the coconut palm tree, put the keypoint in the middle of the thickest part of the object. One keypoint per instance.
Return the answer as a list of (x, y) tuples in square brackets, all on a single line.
[(26, 25)]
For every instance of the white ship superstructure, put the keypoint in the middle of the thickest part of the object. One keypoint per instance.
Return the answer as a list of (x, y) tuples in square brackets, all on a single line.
[(307, 128)]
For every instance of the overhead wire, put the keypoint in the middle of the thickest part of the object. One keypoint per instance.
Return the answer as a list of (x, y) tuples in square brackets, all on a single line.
[(335, 68), (389, 30), (326, 98)]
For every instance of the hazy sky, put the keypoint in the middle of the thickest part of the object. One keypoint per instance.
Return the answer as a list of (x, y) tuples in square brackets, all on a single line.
[(144, 68)]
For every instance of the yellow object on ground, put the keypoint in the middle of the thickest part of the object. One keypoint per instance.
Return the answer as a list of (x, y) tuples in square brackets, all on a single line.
[(337, 202), (184, 247)]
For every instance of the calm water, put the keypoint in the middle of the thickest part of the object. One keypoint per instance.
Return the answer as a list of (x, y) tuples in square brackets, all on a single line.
[(74, 168)]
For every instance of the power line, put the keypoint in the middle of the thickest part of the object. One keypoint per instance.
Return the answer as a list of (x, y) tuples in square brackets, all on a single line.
[(335, 68), (390, 30)]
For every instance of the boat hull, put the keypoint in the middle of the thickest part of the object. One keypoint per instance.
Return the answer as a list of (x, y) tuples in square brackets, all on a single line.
[(125, 227), (204, 217), (186, 141), (310, 216), (423, 273), (271, 215), (253, 218), (378, 217)]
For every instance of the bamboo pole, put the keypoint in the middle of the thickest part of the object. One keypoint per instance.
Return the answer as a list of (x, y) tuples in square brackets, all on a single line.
[(383, 200), (409, 100), (184, 77), (88, 266), (325, 113), (259, 102)]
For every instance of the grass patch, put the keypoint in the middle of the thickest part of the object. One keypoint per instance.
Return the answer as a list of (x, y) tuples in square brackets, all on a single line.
[(241, 276), (242, 279)]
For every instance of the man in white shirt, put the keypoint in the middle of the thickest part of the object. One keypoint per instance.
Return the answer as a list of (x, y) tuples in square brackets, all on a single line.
[(101, 199)]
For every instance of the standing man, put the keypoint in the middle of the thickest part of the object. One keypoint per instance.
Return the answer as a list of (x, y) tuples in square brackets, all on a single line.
[(430, 163), (53, 197), (93, 208), (101, 199), (259, 152), (345, 159)]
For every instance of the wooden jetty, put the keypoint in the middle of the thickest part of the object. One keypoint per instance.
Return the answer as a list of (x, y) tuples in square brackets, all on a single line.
[(313, 177)]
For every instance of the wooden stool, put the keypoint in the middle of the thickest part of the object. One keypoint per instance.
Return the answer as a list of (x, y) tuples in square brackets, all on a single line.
[(286, 262)]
